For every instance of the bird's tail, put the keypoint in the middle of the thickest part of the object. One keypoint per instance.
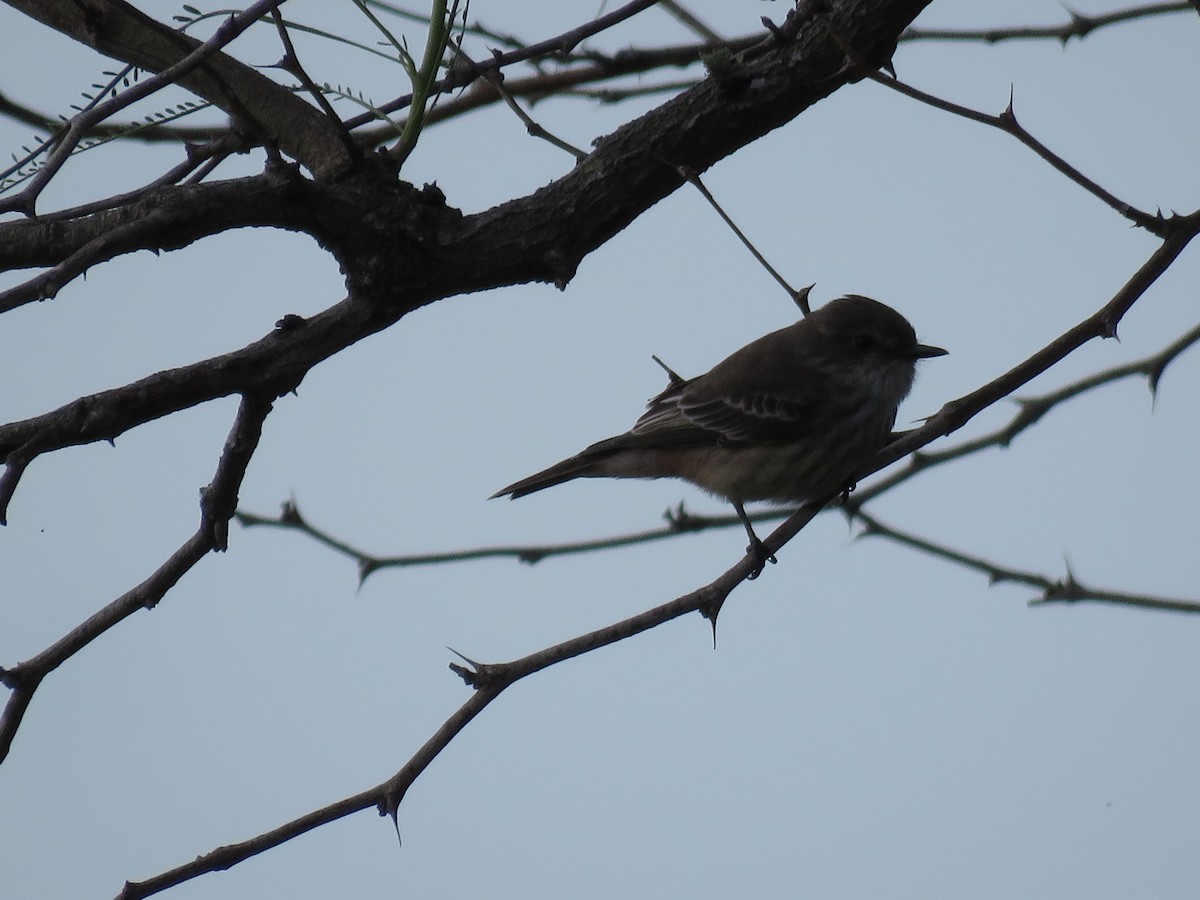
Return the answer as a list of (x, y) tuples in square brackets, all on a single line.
[(575, 467)]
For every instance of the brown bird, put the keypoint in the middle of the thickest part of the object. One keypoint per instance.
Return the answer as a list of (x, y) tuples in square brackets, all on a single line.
[(791, 417)]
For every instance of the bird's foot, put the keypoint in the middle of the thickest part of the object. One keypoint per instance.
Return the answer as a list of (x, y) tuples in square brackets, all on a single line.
[(761, 555)]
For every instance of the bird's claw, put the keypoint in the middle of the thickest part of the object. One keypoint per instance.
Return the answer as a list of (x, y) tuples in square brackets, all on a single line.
[(761, 555)]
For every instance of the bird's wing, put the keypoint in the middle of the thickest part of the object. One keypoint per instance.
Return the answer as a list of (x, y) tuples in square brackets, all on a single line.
[(753, 417), (694, 413)]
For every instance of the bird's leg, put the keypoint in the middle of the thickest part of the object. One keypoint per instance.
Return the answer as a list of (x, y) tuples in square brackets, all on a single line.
[(757, 548)]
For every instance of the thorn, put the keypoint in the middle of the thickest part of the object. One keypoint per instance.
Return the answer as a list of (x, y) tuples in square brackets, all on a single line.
[(1070, 582), (1009, 114), (289, 512), (711, 610), (674, 377), (801, 298), (473, 673), (1081, 24), (390, 806), (679, 519), (366, 566), (1152, 379), (466, 659)]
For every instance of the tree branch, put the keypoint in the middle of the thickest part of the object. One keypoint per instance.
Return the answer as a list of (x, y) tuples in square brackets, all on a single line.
[(1030, 411), (217, 504), (1007, 122), (1079, 26), (441, 254), (1103, 323), (681, 521), (1053, 590), (265, 109), (489, 681)]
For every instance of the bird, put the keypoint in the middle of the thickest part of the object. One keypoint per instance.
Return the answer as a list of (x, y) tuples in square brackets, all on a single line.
[(791, 417)]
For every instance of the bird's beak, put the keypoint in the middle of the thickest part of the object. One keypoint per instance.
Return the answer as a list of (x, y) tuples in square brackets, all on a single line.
[(924, 351)]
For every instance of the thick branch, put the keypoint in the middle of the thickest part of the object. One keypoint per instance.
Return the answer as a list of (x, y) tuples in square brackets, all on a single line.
[(412, 249)]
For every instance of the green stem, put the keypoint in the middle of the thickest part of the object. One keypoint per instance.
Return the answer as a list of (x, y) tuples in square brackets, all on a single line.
[(435, 47)]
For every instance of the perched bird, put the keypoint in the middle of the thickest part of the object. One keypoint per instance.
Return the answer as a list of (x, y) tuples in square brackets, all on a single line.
[(791, 417)]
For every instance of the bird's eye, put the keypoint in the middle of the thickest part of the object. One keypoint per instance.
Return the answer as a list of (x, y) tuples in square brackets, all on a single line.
[(864, 342)]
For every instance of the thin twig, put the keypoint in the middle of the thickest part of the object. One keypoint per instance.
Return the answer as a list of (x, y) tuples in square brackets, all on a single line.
[(290, 518), (799, 297), (137, 131), (1079, 26), (534, 129), (599, 67), (562, 43), (196, 156), (688, 19), (290, 63), (1053, 590), (1007, 122), (1031, 410), (620, 95), (79, 126)]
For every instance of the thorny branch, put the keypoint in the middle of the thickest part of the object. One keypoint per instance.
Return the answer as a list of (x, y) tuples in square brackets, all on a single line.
[(496, 80), (489, 681), (602, 200), (1030, 411), (576, 69), (217, 504), (492, 678), (1078, 26), (1007, 122), (1053, 590)]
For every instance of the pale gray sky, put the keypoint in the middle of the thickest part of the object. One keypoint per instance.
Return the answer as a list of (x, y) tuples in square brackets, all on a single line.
[(874, 723)]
